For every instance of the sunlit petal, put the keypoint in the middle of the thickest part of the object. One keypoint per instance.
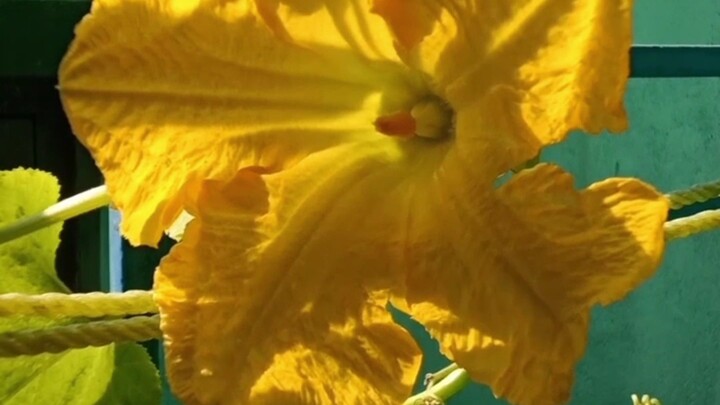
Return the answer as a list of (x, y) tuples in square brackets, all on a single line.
[(336, 154), (508, 281), (277, 292), (559, 65), (169, 92)]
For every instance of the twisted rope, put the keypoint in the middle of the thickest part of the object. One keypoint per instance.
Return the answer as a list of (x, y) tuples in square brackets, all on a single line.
[(91, 305), (694, 224), (695, 194), (75, 336)]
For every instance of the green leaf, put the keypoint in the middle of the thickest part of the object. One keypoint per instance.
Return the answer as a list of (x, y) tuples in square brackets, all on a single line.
[(135, 379), (28, 263), (113, 374)]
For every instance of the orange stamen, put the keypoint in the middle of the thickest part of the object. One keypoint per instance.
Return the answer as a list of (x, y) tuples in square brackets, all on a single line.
[(400, 124)]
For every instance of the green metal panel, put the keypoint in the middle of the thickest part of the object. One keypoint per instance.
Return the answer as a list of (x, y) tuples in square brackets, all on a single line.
[(17, 134), (35, 35), (675, 61), (677, 22)]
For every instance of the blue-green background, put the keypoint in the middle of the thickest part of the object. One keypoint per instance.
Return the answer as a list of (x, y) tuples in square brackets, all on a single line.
[(664, 339)]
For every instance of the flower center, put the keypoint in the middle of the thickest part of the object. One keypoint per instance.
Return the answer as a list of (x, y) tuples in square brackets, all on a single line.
[(430, 118)]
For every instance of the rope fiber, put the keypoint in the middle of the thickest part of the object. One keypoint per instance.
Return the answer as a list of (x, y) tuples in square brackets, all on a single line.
[(79, 335), (90, 305), (695, 194), (694, 224)]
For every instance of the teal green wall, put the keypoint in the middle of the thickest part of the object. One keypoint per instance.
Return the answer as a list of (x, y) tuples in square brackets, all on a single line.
[(665, 338), (677, 22)]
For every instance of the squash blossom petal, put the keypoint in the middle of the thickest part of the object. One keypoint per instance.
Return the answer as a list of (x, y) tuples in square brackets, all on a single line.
[(338, 155)]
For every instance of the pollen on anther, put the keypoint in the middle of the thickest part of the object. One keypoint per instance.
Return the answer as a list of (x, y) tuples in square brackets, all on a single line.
[(433, 119)]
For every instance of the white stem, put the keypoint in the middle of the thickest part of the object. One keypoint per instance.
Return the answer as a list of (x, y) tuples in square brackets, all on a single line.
[(71, 207)]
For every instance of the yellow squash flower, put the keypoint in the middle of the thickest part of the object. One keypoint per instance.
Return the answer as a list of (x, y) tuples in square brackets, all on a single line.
[(338, 155)]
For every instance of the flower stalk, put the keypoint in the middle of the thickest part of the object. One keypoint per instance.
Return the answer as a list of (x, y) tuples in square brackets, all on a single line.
[(432, 378), (71, 207), (453, 380)]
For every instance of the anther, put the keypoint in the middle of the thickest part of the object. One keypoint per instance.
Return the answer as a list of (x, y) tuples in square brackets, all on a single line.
[(429, 119), (401, 124)]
